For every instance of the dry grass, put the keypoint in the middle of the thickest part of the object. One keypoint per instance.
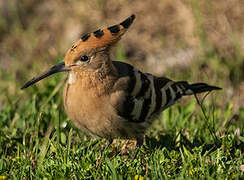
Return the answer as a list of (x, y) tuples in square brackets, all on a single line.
[(34, 34), (46, 29), (165, 34)]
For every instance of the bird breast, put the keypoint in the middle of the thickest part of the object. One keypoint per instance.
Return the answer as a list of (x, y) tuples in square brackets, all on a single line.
[(87, 105)]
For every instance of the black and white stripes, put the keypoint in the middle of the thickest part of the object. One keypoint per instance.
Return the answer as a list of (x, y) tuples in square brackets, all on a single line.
[(147, 94)]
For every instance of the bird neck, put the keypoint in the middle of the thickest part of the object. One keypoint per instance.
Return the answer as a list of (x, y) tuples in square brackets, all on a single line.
[(100, 80)]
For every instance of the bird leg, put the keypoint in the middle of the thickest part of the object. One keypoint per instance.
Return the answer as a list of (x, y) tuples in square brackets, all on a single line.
[(108, 143), (139, 143)]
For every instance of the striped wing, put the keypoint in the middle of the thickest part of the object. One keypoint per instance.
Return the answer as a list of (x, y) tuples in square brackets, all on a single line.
[(145, 94)]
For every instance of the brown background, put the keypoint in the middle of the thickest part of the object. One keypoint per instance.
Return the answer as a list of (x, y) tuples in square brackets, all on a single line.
[(167, 38)]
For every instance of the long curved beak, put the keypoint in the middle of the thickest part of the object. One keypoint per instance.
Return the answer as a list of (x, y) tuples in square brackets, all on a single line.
[(60, 67)]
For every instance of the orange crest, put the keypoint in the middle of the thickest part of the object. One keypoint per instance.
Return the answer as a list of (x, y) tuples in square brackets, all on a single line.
[(100, 38)]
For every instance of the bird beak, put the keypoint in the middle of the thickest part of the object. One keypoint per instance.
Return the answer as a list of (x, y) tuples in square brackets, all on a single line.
[(60, 67)]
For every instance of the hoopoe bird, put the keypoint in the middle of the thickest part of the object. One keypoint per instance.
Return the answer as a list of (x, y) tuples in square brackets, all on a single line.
[(112, 99)]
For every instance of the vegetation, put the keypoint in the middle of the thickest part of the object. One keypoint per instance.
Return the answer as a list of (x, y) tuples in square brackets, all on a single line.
[(196, 138)]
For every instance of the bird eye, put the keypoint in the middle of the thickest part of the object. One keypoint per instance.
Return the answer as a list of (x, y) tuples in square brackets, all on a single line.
[(84, 58)]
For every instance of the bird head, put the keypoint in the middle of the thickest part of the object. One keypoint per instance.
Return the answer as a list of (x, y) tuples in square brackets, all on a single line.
[(90, 52)]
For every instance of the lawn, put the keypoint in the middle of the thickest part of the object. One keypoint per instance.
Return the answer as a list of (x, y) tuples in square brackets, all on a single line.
[(197, 138), (189, 140)]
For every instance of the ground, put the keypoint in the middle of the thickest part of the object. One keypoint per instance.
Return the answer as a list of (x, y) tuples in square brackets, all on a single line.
[(197, 42)]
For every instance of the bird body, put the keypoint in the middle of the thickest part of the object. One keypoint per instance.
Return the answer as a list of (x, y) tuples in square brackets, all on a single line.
[(112, 99)]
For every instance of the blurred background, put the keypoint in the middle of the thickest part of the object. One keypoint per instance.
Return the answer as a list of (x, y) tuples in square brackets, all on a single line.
[(190, 40), (184, 40)]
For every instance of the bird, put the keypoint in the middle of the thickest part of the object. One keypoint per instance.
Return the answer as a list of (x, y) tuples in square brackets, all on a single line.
[(112, 99)]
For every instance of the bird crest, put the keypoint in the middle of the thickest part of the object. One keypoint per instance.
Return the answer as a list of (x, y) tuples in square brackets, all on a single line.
[(99, 38)]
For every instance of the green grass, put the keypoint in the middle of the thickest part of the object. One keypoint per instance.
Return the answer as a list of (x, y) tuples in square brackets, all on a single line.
[(189, 141), (38, 141)]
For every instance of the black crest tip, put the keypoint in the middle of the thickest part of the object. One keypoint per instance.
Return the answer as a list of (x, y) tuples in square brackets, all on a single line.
[(99, 33), (85, 37), (126, 23)]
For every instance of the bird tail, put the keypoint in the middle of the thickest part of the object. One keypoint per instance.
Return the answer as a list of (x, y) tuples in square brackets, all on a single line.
[(197, 88), (176, 90), (202, 87)]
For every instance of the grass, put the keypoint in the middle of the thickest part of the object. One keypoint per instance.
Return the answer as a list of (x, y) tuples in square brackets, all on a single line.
[(190, 141)]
